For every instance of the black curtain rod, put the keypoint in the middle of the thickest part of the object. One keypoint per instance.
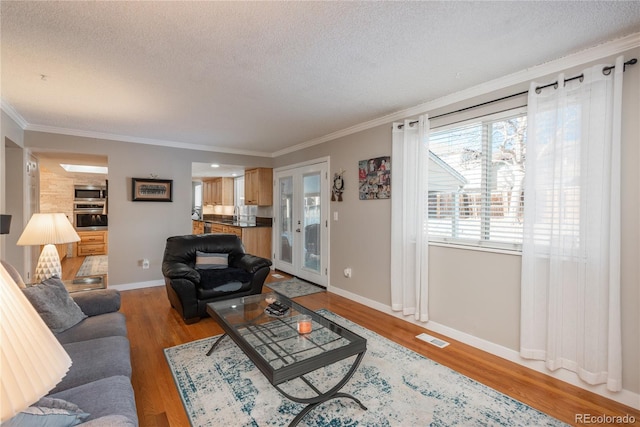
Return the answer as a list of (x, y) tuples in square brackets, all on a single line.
[(606, 71)]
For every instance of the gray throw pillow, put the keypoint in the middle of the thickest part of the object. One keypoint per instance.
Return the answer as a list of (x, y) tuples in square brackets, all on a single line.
[(52, 301), (48, 412)]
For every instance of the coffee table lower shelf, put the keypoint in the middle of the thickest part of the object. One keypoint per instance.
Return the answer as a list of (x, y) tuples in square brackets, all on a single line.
[(274, 346), (312, 402)]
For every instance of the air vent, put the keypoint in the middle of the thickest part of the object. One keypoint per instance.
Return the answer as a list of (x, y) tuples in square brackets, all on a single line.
[(432, 340)]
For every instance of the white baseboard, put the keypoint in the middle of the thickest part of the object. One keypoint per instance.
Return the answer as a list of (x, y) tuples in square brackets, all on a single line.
[(625, 397)]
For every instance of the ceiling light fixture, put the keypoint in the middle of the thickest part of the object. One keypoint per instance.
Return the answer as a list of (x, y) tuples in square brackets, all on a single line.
[(85, 168), (215, 165)]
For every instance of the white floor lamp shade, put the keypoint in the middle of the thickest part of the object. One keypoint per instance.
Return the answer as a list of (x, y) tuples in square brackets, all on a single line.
[(32, 359), (48, 229)]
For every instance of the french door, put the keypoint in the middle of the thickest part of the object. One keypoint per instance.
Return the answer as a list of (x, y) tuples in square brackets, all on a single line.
[(301, 222)]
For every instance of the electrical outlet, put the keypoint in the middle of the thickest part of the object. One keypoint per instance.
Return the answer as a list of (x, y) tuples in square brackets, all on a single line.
[(145, 264)]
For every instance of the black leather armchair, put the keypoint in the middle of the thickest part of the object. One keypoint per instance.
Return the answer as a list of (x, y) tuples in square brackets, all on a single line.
[(190, 289)]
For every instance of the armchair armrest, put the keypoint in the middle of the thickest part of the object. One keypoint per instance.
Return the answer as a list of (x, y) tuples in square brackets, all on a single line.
[(179, 270), (100, 301), (251, 263)]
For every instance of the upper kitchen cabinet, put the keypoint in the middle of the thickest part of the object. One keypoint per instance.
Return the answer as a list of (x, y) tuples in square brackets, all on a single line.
[(218, 191), (258, 186)]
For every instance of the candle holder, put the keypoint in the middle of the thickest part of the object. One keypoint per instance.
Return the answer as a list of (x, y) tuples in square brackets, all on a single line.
[(304, 324)]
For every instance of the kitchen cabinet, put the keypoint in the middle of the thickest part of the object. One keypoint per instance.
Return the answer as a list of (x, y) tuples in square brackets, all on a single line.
[(229, 229), (93, 243), (256, 240), (258, 186), (218, 191), (197, 227), (207, 194)]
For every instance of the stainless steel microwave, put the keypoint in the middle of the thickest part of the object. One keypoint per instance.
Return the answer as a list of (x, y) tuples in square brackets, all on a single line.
[(89, 192)]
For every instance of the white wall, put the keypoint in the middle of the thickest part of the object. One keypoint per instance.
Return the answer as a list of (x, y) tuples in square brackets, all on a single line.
[(473, 302), (480, 302), (11, 190), (139, 230)]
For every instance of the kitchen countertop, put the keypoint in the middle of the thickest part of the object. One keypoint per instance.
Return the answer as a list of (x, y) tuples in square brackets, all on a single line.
[(225, 220)]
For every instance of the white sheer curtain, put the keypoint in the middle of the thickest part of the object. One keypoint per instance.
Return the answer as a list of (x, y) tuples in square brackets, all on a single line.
[(409, 240), (571, 248)]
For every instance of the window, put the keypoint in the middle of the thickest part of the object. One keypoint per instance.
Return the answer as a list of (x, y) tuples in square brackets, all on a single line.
[(476, 181), (238, 188)]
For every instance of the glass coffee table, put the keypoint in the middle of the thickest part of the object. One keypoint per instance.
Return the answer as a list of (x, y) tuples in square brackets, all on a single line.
[(282, 353)]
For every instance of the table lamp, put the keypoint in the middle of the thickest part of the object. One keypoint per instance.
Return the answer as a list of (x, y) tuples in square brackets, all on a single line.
[(33, 361), (48, 229)]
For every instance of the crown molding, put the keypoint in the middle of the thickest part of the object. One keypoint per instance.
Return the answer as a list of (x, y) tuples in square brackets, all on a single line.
[(594, 53), (24, 125), (587, 55), (11, 112), (138, 140)]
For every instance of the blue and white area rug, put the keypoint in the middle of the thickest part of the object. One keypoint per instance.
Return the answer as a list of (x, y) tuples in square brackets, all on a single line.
[(399, 387), (295, 288)]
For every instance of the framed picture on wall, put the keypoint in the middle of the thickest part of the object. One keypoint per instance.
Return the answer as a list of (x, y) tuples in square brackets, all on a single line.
[(151, 190), (375, 178)]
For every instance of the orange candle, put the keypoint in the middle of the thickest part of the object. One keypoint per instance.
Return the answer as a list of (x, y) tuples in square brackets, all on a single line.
[(304, 324)]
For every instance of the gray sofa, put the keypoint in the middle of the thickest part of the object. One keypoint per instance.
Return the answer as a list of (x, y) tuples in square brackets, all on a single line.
[(99, 380)]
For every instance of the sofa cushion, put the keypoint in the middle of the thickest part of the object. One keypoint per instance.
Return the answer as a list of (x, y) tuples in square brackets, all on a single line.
[(104, 325), (95, 359), (212, 279), (211, 260), (98, 301), (52, 301), (48, 412), (106, 399)]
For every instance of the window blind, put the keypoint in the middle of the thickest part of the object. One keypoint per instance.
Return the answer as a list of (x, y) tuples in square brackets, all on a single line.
[(476, 178)]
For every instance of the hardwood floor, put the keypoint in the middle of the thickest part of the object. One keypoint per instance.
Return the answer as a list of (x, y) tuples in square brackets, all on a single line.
[(153, 325)]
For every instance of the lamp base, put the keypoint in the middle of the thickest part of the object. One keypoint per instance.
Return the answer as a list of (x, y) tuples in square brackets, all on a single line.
[(48, 264)]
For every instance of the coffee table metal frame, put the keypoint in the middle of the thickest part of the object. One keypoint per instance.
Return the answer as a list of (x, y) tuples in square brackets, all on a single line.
[(246, 323)]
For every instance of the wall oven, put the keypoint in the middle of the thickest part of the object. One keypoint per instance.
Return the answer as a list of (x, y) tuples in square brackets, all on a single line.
[(90, 215)]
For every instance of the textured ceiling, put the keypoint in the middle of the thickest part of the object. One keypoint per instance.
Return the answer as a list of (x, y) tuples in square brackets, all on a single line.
[(259, 77)]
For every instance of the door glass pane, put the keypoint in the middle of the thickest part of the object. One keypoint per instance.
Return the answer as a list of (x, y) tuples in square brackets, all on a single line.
[(285, 216), (311, 221)]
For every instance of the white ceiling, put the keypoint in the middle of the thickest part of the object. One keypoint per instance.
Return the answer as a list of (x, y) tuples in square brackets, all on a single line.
[(261, 77)]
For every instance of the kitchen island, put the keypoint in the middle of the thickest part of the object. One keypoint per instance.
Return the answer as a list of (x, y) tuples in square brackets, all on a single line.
[(255, 236)]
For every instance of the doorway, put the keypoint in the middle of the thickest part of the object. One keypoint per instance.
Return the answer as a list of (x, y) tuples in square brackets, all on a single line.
[(63, 181), (301, 232)]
